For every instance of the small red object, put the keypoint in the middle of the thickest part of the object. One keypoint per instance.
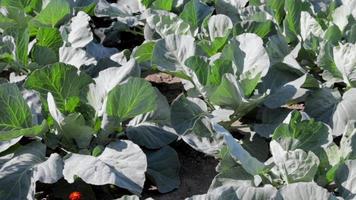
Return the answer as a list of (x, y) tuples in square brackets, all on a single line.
[(75, 196)]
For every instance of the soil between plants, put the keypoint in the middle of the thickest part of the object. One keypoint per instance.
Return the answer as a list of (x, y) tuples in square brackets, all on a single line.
[(196, 173), (197, 170)]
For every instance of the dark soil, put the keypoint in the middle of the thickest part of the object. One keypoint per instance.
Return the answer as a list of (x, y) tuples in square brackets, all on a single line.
[(197, 172), (197, 169), (168, 85)]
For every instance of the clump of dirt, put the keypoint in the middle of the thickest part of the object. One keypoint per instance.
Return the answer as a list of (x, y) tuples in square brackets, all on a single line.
[(168, 85)]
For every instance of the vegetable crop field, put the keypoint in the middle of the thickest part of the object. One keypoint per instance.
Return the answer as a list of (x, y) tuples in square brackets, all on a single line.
[(178, 99)]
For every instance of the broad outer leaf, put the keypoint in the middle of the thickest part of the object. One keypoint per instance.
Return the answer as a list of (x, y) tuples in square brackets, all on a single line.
[(4, 145), (18, 176), (167, 23), (163, 169), (294, 166), (195, 12), (122, 163), (284, 84), (150, 135), (189, 119), (127, 197), (14, 112), (231, 95), (345, 179), (321, 103), (309, 26), (301, 133), (329, 107), (106, 81), (170, 53), (133, 98), (348, 141), (219, 26), (270, 120), (345, 60), (202, 137), (75, 56), (238, 192), (186, 112), (63, 81), (303, 191), (80, 34), (54, 12), (118, 9), (15, 115), (49, 37), (248, 55), (152, 129), (230, 8), (249, 163), (72, 128)]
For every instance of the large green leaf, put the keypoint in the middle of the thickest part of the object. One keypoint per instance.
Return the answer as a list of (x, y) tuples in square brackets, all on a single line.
[(30, 132), (14, 111), (195, 12), (170, 53), (219, 26), (303, 191), (22, 40), (106, 81), (300, 132), (76, 57), (345, 60), (63, 81), (345, 179), (230, 8), (291, 22), (238, 153), (152, 129), (309, 26), (49, 37), (133, 98), (15, 115), (238, 192), (248, 55), (186, 112), (71, 129), (231, 95), (348, 141), (27, 5), (284, 84), (80, 33), (4, 145), (293, 166), (54, 12), (189, 119), (122, 163), (18, 176), (163, 169), (326, 61), (163, 4), (327, 106), (166, 23), (144, 52)]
